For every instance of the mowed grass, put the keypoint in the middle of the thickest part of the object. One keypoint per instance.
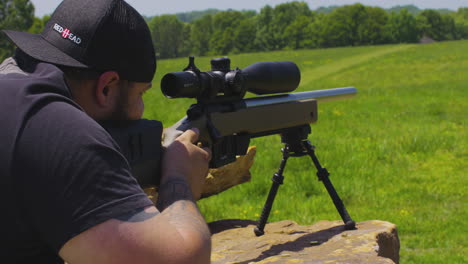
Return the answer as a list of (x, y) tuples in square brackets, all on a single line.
[(396, 152)]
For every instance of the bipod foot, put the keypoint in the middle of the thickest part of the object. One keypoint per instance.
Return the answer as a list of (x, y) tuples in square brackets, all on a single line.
[(258, 232), (350, 225)]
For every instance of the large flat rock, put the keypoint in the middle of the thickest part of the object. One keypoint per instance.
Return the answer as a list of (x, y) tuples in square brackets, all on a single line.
[(286, 242)]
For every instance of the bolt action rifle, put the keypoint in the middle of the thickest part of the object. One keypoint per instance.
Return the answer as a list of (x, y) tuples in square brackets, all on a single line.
[(227, 121)]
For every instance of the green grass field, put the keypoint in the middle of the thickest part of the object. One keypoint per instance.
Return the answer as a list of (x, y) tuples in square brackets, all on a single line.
[(396, 152)]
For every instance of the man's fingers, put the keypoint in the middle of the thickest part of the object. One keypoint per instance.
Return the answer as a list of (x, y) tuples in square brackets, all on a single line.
[(208, 150), (190, 135)]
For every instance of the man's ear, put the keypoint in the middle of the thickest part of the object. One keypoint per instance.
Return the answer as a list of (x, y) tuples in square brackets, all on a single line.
[(107, 88)]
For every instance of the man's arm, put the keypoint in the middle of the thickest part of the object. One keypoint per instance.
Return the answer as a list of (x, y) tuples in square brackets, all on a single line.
[(177, 234)]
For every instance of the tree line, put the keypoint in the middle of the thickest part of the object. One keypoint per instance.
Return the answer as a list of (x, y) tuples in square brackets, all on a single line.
[(288, 26), (294, 26)]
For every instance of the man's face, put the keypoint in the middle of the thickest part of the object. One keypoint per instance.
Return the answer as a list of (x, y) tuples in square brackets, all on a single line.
[(130, 104)]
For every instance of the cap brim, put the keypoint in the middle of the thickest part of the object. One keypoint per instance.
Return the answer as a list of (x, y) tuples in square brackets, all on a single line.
[(37, 47)]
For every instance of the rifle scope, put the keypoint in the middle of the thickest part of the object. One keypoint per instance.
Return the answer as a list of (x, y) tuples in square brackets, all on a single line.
[(258, 78)]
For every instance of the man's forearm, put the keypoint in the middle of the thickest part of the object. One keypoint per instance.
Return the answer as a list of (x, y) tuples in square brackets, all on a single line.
[(175, 201), (171, 191)]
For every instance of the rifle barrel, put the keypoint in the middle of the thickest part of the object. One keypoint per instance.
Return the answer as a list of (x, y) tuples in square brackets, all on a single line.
[(319, 95)]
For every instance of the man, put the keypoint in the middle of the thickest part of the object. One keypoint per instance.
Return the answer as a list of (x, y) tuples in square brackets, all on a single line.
[(67, 194)]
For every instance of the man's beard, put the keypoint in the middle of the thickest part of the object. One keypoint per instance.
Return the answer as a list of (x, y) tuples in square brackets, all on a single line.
[(120, 113)]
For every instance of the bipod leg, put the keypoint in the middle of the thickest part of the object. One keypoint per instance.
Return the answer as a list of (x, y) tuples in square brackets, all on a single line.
[(323, 174), (277, 181)]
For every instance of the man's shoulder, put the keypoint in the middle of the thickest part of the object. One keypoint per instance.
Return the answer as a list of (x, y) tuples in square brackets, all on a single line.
[(26, 76), (10, 66), (22, 96), (61, 122)]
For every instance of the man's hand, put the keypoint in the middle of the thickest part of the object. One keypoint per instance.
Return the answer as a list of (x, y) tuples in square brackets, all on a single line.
[(183, 161)]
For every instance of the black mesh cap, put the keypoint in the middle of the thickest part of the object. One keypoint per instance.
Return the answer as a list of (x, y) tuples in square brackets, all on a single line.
[(97, 34)]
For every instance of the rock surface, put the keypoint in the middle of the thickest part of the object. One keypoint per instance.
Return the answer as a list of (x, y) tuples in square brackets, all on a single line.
[(286, 242)]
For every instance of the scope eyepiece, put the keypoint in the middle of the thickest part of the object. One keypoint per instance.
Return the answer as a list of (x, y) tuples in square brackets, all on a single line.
[(181, 84)]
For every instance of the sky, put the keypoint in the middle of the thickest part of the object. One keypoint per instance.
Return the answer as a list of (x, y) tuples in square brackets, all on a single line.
[(158, 7)]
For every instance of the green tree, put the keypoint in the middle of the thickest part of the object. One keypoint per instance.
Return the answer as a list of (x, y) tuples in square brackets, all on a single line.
[(14, 15), (170, 36), (201, 33), (317, 30), (461, 23), (222, 42), (299, 34), (402, 28), (264, 40), (38, 24), (283, 16), (449, 31), (244, 36), (430, 24), (371, 29), (353, 25), (185, 47), (341, 27), (224, 27), (273, 23)]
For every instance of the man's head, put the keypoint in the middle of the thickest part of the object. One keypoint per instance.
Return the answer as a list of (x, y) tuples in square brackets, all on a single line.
[(105, 37), (105, 96)]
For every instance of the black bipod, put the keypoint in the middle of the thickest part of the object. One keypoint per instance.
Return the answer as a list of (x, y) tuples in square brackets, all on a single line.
[(296, 145)]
